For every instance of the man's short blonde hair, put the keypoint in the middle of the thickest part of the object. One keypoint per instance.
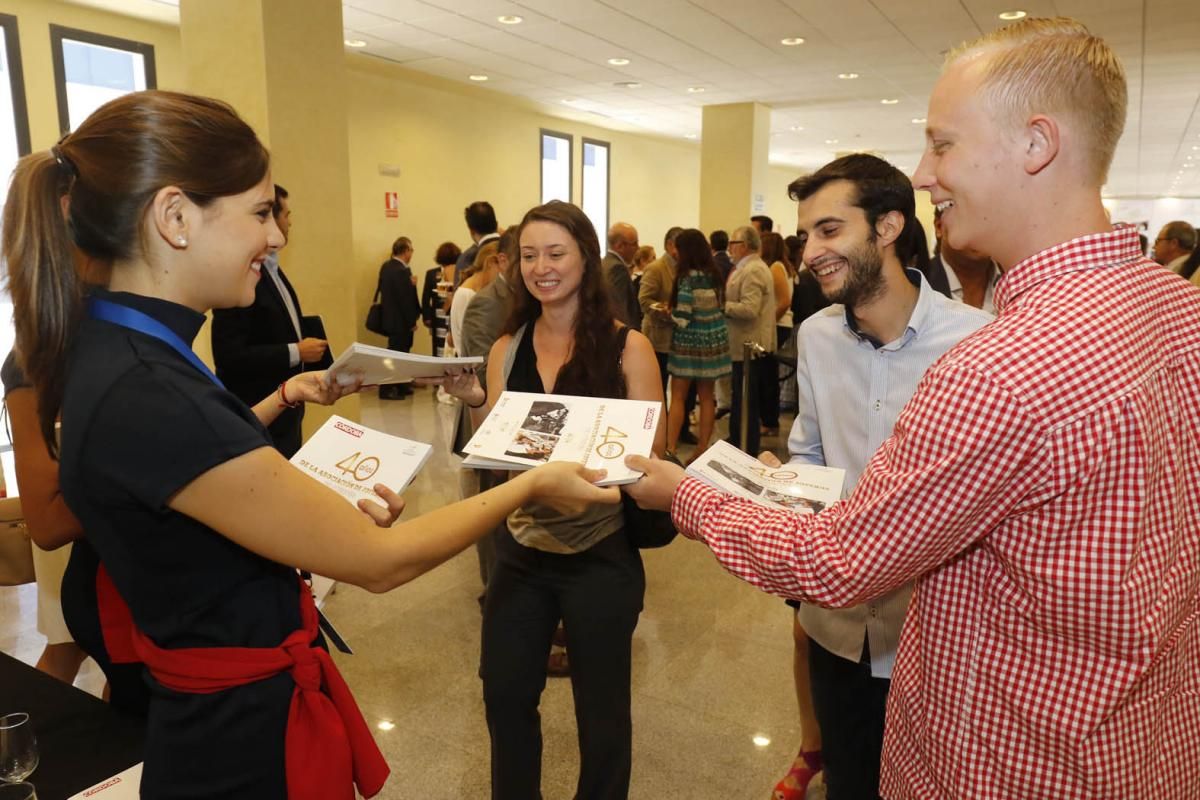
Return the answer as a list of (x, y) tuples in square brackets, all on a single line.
[(1043, 65)]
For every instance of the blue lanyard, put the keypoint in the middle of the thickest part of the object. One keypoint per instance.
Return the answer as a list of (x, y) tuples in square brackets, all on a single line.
[(133, 319)]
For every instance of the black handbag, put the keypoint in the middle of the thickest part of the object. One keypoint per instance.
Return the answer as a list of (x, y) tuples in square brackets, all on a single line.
[(375, 312)]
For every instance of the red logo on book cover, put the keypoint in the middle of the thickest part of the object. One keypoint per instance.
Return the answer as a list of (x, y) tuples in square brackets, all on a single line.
[(355, 432)]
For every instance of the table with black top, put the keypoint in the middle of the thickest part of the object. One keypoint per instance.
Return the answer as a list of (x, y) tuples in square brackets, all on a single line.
[(81, 739)]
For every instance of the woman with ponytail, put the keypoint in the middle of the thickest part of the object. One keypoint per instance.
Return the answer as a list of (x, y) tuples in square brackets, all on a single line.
[(198, 523)]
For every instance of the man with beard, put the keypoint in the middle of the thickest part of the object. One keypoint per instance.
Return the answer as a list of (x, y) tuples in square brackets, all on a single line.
[(1040, 485), (859, 362)]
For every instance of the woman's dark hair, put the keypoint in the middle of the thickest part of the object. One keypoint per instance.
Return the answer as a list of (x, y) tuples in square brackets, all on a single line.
[(593, 368), (447, 254), (794, 245), (774, 249), (695, 254), (89, 194)]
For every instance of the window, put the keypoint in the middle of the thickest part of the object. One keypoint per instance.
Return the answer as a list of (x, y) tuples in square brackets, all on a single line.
[(90, 70), (556, 166), (595, 184)]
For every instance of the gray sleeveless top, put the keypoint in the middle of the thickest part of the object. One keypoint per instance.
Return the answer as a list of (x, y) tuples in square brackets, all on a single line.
[(537, 526)]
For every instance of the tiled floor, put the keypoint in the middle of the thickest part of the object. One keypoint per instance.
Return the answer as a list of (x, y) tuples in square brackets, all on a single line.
[(713, 704)]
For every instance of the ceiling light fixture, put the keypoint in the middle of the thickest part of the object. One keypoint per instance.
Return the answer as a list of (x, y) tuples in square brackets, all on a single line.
[(355, 43), (847, 76), (1009, 16), (792, 41), (695, 89), (918, 120), (831, 141), (760, 740), (889, 101), (628, 84), (796, 128), (386, 725), (479, 78), (510, 19), (618, 62)]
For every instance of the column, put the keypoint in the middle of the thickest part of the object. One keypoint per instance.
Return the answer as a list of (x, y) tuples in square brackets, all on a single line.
[(281, 64), (733, 164)]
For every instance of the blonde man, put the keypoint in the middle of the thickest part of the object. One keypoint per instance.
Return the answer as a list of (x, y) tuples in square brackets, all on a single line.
[(1040, 486)]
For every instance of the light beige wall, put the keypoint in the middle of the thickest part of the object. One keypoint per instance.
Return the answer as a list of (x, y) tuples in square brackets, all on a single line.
[(454, 145), (34, 18), (780, 207)]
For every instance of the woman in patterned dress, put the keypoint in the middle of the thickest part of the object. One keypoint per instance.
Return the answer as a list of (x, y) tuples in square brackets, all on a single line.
[(700, 346)]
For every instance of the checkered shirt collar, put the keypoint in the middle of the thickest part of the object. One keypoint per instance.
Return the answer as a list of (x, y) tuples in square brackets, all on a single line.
[(1118, 246)]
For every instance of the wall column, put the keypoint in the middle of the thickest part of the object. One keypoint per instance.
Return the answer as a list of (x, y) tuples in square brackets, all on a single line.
[(281, 64), (733, 164)]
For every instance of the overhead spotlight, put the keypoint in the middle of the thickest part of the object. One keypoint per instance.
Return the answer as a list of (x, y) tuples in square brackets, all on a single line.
[(386, 725), (695, 89), (796, 128), (619, 62), (831, 141), (628, 84), (479, 78), (510, 19), (355, 43), (760, 740), (847, 76), (889, 101), (919, 120), (1009, 16), (792, 41)]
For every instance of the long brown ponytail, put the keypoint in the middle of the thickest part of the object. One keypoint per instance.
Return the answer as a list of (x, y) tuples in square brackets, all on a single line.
[(91, 192)]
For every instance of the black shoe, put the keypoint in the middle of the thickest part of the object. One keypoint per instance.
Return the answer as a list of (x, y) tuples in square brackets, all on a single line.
[(687, 437)]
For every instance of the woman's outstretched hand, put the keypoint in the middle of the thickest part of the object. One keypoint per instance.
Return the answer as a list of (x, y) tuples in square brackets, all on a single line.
[(568, 488)]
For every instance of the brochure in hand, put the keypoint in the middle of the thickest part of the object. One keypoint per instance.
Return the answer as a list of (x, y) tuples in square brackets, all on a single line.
[(123, 786), (378, 365), (799, 488), (350, 459), (524, 430)]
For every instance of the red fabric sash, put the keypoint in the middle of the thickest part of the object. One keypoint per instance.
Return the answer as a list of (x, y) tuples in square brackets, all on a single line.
[(328, 743)]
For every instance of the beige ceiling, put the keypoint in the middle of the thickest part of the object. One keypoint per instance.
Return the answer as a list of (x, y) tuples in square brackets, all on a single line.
[(558, 55)]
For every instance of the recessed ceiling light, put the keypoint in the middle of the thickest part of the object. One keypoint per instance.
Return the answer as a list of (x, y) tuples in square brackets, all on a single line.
[(797, 128), (761, 740), (847, 76), (889, 101), (355, 43), (618, 62), (479, 78), (1009, 16), (695, 89), (831, 141), (918, 120), (792, 41), (1196, 147), (510, 19), (628, 84), (386, 725)]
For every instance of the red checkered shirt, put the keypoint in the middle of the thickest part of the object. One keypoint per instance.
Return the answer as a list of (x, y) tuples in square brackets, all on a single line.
[(1043, 486)]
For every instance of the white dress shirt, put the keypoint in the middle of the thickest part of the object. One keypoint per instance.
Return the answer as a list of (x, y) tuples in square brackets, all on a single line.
[(851, 390), (272, 267)]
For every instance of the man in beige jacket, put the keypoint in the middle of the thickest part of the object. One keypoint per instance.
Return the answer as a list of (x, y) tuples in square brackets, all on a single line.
[(750, 315), (654, 296)]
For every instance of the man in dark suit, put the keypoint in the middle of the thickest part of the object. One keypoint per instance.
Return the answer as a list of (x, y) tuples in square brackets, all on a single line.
[(482, 225), (401, 309), (257, 348), (719, 241), (622, 246)]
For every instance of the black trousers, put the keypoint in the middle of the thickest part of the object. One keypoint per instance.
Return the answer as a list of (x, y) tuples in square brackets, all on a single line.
[(768, 393), (598, 596), (850, 706), (754, 433)]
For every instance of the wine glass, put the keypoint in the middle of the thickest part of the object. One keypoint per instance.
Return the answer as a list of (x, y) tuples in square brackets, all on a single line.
[(18, 748), (17, 791)]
